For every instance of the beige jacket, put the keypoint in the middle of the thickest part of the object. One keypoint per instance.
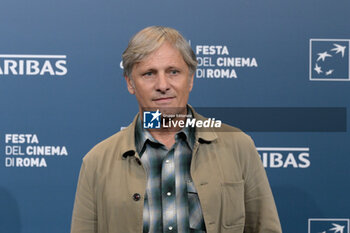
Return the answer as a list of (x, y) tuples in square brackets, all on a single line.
[(226, 169)]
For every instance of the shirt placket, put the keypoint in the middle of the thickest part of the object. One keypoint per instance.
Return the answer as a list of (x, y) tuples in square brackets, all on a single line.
[(168, 193), (182, 160)]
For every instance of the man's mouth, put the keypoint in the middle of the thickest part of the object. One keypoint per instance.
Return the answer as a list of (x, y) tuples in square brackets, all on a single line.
[(163, 100)]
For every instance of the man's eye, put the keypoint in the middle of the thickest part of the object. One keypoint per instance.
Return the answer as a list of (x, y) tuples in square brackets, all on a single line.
[(147, 74), (174, 72)]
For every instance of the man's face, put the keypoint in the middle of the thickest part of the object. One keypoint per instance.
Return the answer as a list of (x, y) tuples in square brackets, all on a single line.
[(161, 80)]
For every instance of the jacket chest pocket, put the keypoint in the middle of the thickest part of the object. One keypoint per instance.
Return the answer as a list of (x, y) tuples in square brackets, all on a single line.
[(233, 210)]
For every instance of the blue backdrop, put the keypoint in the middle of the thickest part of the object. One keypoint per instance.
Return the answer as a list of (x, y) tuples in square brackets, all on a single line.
[(62, 91)]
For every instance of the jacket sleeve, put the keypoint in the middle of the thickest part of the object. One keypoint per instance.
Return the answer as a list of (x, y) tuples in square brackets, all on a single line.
[(260, 208), (84, 219)]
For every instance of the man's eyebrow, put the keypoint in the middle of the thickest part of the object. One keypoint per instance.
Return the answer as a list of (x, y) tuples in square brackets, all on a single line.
[(173, 67), (148, 70)]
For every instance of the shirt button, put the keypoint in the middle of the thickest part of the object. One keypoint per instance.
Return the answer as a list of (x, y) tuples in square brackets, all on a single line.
[(168, 193), (136, 196), (170, 228)]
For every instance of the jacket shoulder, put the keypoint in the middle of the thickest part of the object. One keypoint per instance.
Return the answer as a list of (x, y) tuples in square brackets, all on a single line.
[(237, 146), (110, 147), (234, 134)]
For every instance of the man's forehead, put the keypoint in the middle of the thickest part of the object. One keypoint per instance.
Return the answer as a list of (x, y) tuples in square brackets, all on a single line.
[(165, 56)]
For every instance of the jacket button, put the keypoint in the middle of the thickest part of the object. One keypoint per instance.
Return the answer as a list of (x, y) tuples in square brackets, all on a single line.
[(136, 196)]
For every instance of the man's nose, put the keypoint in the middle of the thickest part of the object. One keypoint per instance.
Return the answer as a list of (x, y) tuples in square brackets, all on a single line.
[(162, 84)]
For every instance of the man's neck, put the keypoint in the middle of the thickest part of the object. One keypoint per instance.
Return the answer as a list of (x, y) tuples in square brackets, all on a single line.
[(167, 138)]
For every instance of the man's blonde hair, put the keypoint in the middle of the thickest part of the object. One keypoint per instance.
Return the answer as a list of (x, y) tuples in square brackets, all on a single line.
[(150, 39)]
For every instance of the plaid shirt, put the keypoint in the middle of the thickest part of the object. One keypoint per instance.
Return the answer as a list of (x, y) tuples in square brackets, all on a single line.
[(171, 200)]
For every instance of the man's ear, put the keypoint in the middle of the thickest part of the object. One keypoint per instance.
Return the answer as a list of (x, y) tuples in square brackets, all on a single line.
[(130, 85), (191, 82)]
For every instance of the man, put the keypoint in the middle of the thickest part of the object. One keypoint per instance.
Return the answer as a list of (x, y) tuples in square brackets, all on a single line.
[(174, 179)]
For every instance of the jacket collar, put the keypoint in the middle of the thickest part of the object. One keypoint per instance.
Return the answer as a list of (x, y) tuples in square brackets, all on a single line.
[(127, 137), (202, 135), (206, 134)]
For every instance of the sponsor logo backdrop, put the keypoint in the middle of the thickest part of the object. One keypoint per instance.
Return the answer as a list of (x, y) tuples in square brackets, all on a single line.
[(62, 91)]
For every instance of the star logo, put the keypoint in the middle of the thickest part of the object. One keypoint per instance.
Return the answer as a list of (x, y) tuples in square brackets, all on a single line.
[(318, 69), (329, 60), (322, 56), (339, 49), (156, 115), (151, 119), (329, 72), (337, 228), (321, 225)]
